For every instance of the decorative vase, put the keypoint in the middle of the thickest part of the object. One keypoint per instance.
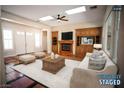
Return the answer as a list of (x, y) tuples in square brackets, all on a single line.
[(52, 55)]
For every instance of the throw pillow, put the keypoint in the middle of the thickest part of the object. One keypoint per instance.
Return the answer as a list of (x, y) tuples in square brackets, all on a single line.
[(97, 62)]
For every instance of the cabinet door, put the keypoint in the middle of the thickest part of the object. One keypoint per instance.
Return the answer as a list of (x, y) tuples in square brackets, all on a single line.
[(55, 41), (87, 48), (79, 51), (55, 48), (83, 49)]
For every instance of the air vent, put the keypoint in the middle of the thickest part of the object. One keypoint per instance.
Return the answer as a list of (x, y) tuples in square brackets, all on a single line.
[(93, 7)]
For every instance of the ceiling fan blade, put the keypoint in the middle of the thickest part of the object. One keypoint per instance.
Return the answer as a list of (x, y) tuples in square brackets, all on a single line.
[(64, 19), (63, 16)]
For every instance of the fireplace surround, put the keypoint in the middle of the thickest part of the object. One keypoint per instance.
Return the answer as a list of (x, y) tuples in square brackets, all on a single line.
[(66, 47)]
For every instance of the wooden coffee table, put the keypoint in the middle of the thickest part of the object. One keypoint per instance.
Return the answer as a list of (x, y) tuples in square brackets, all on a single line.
[(53, 65)]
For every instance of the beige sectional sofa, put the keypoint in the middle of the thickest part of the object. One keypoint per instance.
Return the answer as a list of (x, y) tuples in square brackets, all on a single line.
[(84, 77)]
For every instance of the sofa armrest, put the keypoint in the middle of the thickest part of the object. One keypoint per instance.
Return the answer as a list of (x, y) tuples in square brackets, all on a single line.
[(84, 78)]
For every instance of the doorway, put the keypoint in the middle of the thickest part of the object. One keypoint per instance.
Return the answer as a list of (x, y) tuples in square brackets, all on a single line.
[(44, 41)]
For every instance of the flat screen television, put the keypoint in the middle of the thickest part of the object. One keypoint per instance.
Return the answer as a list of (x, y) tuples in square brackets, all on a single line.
[(67, 35)]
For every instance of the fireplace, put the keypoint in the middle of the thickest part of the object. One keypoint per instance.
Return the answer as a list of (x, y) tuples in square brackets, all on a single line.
[(66, 47)]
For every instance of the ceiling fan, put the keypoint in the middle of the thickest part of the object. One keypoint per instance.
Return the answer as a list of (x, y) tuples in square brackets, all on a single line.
[(61, 18)]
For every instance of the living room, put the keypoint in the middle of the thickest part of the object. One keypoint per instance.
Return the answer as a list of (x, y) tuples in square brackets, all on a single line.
[(59, 47)]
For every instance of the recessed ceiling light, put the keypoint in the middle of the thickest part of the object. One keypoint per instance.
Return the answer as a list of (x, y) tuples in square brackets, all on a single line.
[(46, 18), (76, 10)]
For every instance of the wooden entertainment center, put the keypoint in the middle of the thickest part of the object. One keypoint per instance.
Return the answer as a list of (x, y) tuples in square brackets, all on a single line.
[(65, 47), (93, 33)]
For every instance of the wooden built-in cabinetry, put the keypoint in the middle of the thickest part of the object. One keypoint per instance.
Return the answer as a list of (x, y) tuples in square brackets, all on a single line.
[(55, 41), (82, 49)]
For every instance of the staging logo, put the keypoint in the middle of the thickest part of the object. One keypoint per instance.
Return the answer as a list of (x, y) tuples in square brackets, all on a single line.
[(109, 79)]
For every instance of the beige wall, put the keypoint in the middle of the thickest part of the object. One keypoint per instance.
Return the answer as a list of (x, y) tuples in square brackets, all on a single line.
[(2, 66), (72, 27), (44, 40), (49, 41), (120, 53)]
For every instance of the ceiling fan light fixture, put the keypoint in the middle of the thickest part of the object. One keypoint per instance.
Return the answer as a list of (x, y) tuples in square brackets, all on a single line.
[(46, 18), (58, 20), (76, 10)]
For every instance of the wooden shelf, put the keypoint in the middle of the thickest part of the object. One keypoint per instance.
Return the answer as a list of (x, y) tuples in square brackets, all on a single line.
[(66, 41)]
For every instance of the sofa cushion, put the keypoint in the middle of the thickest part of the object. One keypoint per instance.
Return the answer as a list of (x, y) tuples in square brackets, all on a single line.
[(97, 60), (97, 63), (84, 63), (97, 54)]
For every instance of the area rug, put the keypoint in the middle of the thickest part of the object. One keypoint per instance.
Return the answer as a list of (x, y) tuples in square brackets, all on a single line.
[(59, 80)]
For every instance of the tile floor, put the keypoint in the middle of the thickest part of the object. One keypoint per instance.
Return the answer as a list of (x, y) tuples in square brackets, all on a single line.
[(17, 80)]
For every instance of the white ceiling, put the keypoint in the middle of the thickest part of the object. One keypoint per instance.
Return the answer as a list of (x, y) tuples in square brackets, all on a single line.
[(34, 12)]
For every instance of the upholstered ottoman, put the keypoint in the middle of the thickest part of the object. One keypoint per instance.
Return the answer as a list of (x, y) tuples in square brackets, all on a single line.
[(27, 58), (40, 54)]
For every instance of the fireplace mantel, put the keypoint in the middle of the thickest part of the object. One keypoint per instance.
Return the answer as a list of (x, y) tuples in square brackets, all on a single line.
[(66, 47), (66, 41)]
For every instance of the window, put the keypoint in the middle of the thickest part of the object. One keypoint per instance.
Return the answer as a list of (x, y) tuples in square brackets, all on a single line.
[(20, 33), (112, 29), (28, 33), (37, 39), (8, 39)]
